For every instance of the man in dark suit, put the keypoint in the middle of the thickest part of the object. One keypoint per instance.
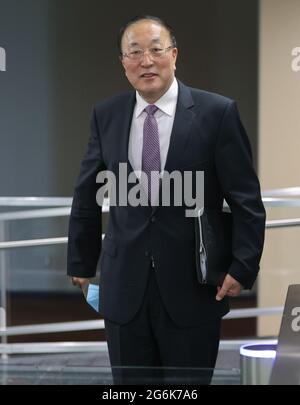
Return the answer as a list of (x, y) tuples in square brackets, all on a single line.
[(156, 313)]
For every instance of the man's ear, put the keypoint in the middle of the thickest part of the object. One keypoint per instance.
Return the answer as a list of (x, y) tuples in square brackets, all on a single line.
[(175, 55), (122, 60)]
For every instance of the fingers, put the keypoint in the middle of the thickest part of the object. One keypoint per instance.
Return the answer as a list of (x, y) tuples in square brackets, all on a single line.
[(221, 292), (75, 281), (79, 282), (230, 287), (233, 292)]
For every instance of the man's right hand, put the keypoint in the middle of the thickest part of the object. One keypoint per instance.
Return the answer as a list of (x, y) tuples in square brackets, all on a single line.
[(79, 282)]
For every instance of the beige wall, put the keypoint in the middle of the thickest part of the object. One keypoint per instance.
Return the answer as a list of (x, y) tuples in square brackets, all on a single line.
[(279, 148)]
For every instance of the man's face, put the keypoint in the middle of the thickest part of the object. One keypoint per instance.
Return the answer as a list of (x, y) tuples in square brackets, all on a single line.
[(150, 76)]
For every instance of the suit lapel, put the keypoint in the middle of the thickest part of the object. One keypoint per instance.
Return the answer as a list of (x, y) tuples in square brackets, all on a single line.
[(124, 130), (181, 128)]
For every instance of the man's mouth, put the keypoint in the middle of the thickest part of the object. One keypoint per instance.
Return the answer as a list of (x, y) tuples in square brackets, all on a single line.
[(148, 75)]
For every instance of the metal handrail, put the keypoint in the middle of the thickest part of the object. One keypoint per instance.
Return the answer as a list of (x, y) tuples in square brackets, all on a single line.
[(31, 214), (63, 204), (79, 347), (278, 202), (99, 324), (282, 192), (33, 242), (53, 327), (278, 223), (282, 223), (275, 197), (35, 201)]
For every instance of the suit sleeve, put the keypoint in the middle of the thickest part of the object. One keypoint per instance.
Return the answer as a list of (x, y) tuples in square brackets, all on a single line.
[(85, 224), (241, 190)]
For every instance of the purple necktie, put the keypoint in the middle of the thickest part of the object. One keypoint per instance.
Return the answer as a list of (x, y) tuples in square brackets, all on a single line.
[(151, 153)]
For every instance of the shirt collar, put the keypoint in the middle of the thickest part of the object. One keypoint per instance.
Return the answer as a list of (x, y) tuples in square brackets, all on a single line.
[(167, 102)]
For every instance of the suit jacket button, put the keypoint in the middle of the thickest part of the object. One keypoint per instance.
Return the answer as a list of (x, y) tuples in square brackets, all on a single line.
[(153, 219), (147, 253)]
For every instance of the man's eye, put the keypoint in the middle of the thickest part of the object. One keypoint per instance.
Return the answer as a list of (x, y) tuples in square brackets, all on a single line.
[(135, 52), (156, 50)]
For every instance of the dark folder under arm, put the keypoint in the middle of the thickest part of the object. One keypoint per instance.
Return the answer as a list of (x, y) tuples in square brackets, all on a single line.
[(213, 236)]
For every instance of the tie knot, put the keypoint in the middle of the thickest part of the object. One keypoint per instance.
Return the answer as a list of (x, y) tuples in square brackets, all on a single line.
[(151, 109)]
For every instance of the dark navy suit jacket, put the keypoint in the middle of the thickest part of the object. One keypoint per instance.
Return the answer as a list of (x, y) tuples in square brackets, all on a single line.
[(207, 135)]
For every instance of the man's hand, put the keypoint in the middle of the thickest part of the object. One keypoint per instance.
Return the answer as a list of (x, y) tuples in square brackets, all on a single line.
[(79, 282), (230, 287)]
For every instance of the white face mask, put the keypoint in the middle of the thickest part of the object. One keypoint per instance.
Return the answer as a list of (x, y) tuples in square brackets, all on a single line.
[(92, 296)]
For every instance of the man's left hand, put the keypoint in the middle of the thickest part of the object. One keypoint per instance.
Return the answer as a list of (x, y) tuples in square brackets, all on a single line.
[(230, 287)]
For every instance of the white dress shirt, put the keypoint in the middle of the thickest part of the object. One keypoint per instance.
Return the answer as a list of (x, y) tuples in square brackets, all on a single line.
[(165, 118)]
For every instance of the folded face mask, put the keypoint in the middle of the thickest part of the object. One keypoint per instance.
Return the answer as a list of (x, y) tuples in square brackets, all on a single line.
[(92, 296)]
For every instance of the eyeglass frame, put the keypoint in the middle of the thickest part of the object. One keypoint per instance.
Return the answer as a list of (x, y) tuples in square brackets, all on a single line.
[(127, 55)]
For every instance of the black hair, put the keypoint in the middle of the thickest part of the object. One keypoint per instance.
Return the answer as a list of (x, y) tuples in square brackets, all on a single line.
[(145, 17)]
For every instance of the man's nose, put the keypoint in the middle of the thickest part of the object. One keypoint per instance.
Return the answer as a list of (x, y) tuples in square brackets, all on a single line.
[(146, 59)]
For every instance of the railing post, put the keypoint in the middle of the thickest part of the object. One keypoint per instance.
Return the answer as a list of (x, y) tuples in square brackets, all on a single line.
[(3, 299)]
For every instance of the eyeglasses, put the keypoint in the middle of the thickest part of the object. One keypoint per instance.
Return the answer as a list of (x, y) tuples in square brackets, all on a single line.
[(155, 53)]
